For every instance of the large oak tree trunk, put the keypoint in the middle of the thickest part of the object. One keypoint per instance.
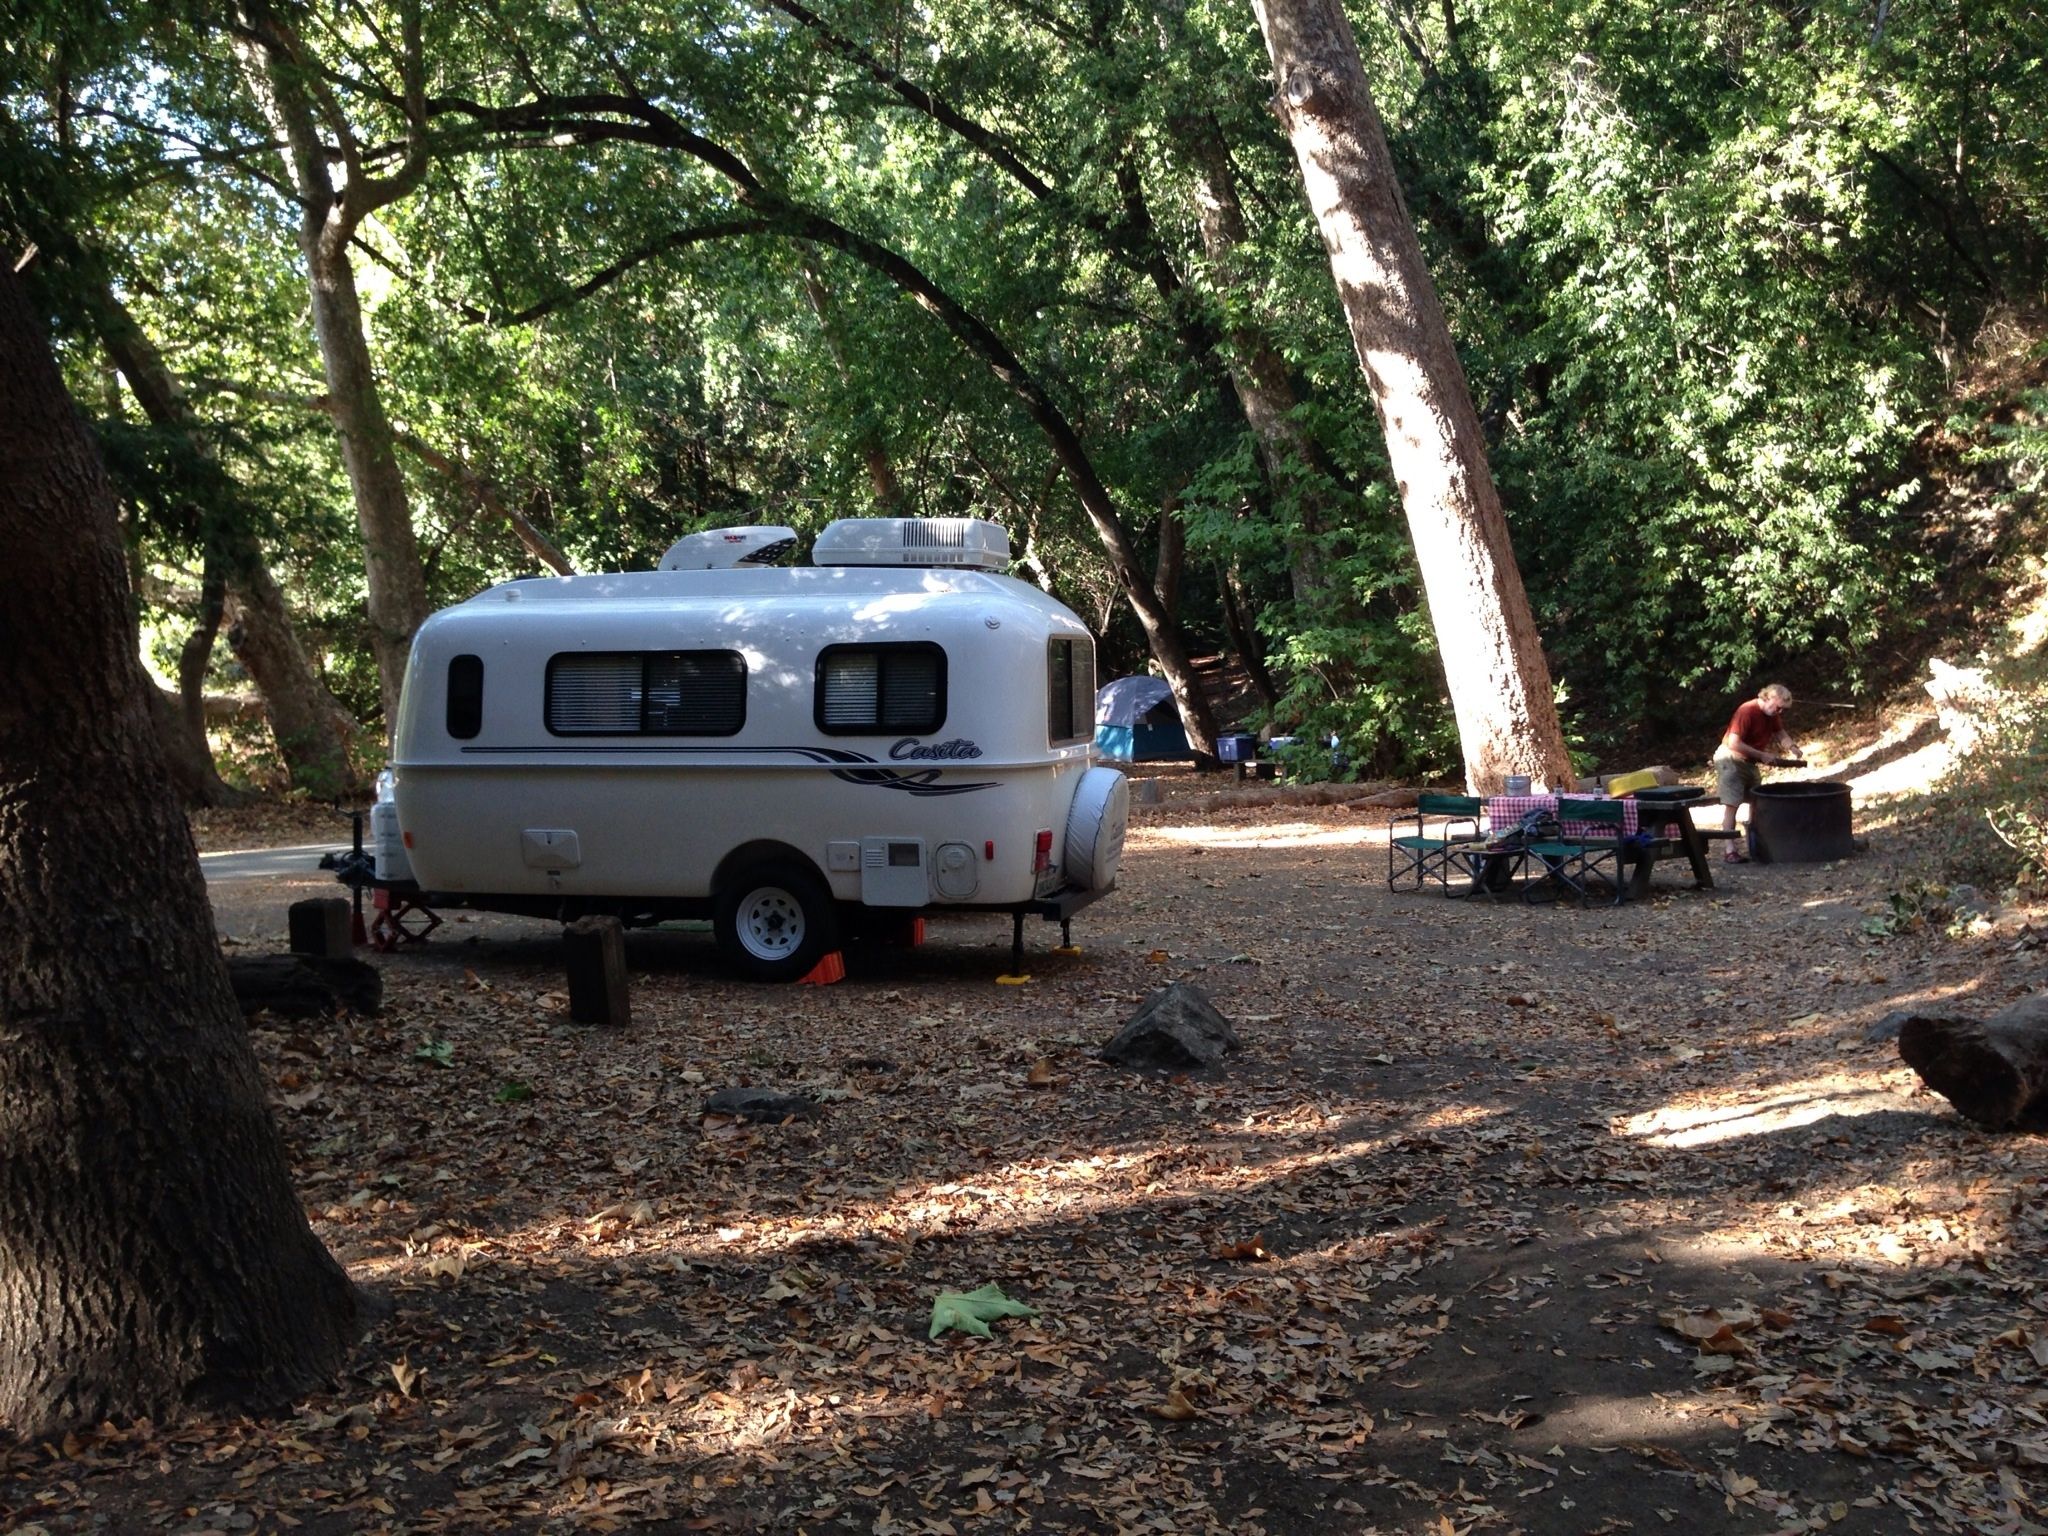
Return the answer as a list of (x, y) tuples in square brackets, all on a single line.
[(152, 1251), (187, 758), (315, 735), (1493, 661)]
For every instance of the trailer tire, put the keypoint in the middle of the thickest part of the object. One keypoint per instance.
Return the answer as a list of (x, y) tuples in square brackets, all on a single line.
[(1095, 829), (775, 921)]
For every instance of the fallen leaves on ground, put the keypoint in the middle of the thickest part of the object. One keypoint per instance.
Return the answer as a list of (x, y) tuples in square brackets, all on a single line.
[(1504, 1219)]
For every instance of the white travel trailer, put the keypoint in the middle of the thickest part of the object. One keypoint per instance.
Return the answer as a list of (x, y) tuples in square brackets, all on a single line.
[(894, 727)]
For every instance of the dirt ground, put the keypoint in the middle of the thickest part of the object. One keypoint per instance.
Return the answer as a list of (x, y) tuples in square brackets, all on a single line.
[(1505, 1218)]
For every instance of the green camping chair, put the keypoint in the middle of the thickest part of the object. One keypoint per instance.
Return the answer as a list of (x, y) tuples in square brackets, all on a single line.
[(1572, 861), (1446, 828)]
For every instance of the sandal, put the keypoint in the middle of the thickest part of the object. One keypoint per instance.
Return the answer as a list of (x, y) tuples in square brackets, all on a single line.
[(1732, 857)]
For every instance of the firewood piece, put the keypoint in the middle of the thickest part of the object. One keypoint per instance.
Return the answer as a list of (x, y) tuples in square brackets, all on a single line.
[(320, 927), (594, 949), (1995, 1072), (304, 986)]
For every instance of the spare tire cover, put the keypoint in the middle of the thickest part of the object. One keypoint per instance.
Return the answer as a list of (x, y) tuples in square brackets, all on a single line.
[(1095, 829)]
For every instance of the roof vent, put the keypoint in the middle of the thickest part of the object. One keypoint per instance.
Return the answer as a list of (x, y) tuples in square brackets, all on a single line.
[(718, 549), (966, 542)]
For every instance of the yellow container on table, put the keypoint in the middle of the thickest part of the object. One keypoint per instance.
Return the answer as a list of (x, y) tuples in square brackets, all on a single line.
[(1629, 783)]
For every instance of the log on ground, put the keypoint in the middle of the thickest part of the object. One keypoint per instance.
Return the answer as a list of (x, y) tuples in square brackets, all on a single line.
[(304, 986), (1994, 1071)]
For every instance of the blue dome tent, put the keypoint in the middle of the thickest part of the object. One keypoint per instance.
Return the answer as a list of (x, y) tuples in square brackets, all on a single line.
[(1136, 722)]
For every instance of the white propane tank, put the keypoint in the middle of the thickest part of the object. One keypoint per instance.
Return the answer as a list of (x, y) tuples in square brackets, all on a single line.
[(387, 843)]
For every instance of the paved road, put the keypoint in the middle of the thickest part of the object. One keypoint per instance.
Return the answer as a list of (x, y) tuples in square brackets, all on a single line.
[(266, 863)]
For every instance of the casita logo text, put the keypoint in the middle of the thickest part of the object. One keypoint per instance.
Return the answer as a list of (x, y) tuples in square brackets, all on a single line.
[(911, 750)]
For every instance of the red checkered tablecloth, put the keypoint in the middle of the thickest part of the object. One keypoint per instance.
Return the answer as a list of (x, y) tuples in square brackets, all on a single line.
[(1503, 811)]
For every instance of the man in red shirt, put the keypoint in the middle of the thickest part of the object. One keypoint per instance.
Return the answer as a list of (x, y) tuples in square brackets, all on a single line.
[(1755, 737)]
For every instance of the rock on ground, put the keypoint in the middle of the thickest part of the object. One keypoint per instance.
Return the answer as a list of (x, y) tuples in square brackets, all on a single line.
[(1176, 1026), (760, 1105)]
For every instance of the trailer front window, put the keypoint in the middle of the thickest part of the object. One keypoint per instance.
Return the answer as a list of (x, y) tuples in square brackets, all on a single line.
[(873, 688)]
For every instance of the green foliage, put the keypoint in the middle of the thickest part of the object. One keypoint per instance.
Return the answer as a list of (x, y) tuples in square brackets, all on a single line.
[(1913, 907), (1995, 796), (1707, 266), (1720, 370), (2018, 445)]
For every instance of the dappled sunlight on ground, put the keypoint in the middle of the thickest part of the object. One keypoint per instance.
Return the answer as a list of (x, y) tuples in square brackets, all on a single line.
[(1456, 1117), (1788, 1106), (1263, 836)]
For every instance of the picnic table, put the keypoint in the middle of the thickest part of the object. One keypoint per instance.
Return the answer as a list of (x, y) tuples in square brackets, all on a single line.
[(1666, 830), (1652, 828)]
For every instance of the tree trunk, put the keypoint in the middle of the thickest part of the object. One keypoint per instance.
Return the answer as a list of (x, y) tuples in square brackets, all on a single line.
[(1244, 639), (1499, 682), (284, 82), (152, 1250), (1995, 1072), (181, 717), (187, 759), (1260, 375), (315, 736), (391, 557), (1173, 558)]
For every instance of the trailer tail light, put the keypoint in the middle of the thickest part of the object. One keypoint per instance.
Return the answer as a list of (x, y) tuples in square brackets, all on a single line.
[(406, 838), (988, 851), (1041, 853)]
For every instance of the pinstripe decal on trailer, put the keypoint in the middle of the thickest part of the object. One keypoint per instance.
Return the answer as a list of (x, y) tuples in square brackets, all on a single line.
[(853, 767)]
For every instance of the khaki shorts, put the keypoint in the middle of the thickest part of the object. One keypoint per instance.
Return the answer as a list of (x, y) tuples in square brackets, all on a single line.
[(1735, 777)]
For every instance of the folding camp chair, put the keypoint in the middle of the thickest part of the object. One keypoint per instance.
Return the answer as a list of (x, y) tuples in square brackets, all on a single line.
[(1446, 829), (1572, 860)]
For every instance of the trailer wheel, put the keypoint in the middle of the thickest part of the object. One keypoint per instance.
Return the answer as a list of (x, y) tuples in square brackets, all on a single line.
[(775, 921)]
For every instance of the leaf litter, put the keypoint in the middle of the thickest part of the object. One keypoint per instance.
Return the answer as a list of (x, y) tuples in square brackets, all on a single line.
[(1503, 1220)]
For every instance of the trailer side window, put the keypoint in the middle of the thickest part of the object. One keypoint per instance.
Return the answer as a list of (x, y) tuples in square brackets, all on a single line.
[(647, 693), (1069, 691), (870, 688), (465, 696)]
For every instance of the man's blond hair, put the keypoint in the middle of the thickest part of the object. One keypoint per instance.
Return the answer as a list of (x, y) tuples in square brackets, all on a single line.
[(1776, 691)]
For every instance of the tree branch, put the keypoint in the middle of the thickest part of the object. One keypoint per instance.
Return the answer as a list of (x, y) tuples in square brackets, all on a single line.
[(365, 194), (454, 468), (485, 495), (917, 97), (604, 277)]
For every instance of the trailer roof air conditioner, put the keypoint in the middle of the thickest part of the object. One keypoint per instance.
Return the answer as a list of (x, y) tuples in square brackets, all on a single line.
[(718, 549), (950, 541)]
